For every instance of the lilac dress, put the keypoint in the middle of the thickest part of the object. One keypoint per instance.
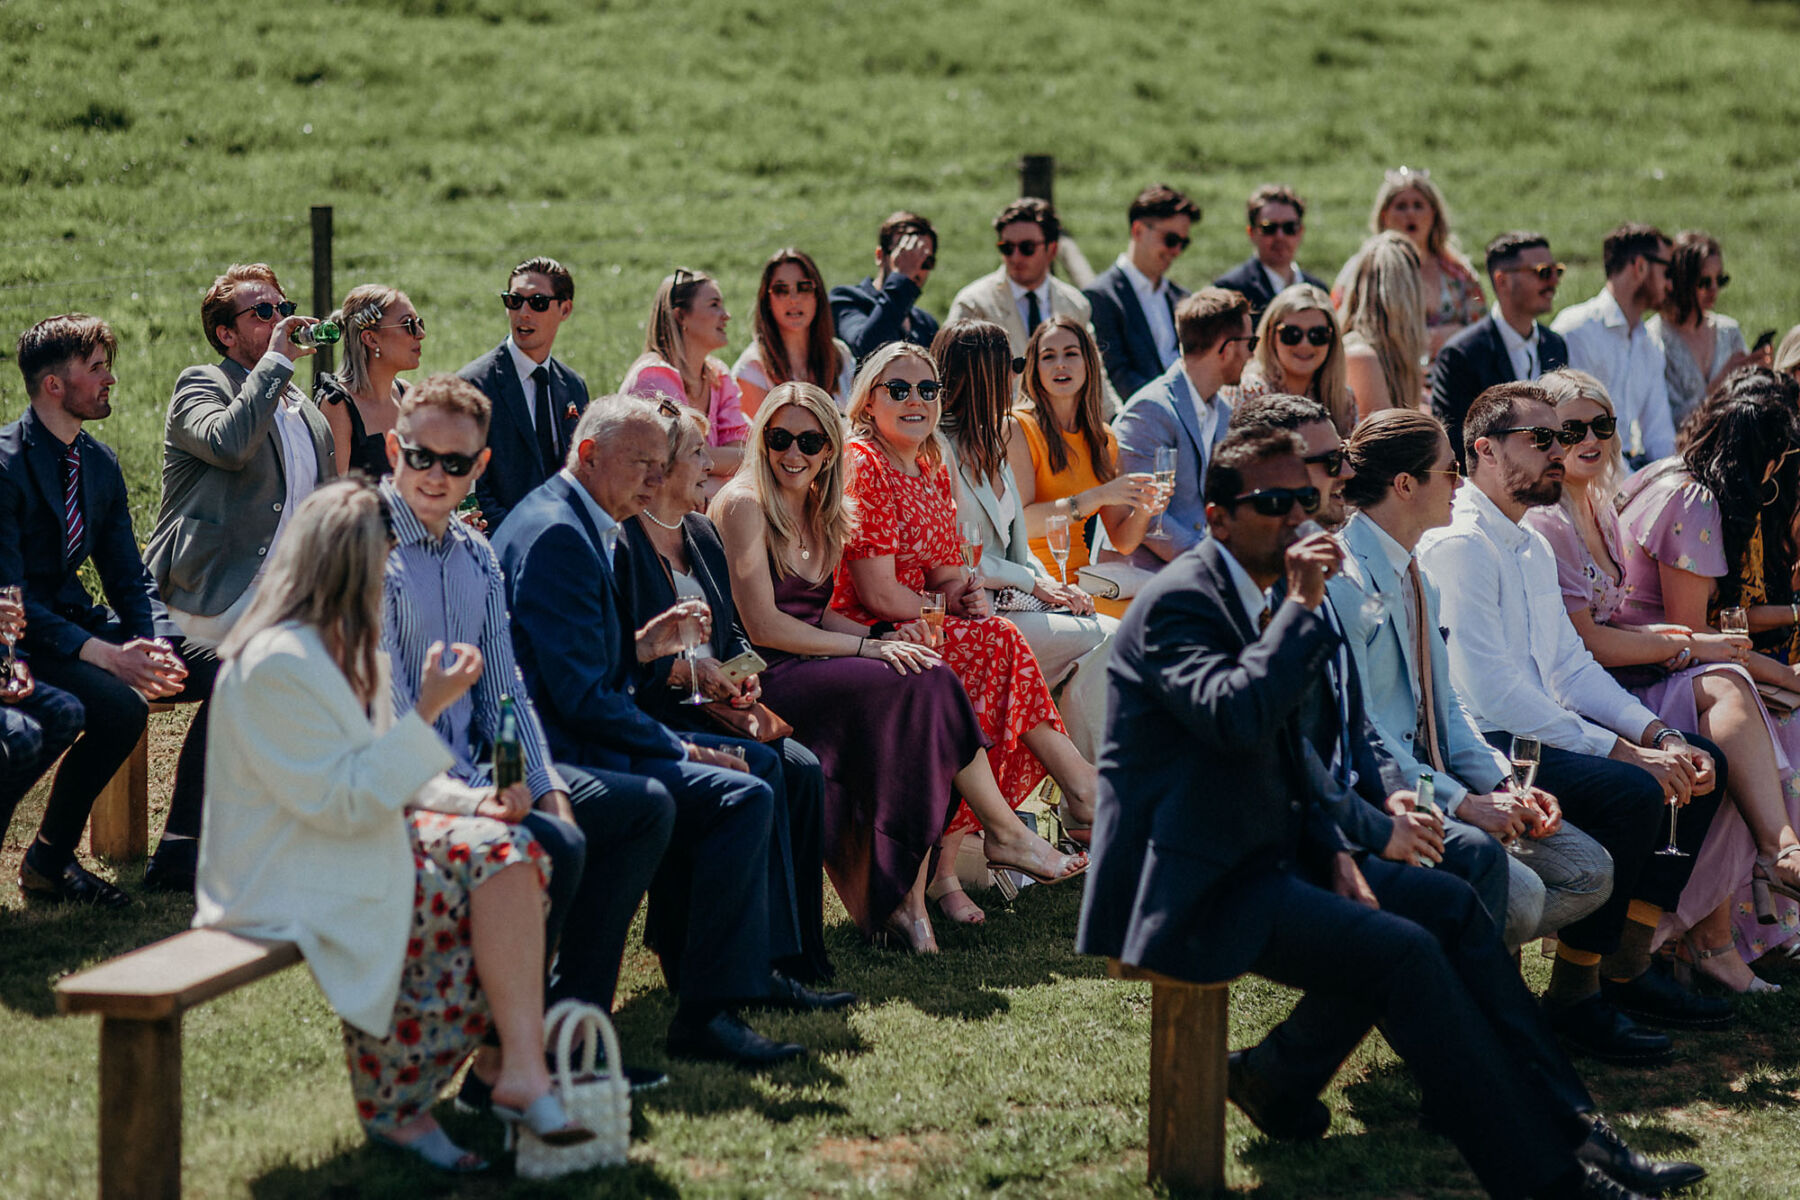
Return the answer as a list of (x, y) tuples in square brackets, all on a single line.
[(890, 745)]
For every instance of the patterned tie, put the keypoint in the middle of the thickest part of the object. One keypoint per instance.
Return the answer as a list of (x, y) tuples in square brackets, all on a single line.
[(1263, 618), (545, 421), (1034, 315), (73, 524), (1428, 727)]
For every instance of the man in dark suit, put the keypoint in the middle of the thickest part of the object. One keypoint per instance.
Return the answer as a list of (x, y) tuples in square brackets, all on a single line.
[(1214, 855), (881, 309), (536, 398), (1510, 344), (583, 664), (1134, 299), (1275, 220), (63, 503)]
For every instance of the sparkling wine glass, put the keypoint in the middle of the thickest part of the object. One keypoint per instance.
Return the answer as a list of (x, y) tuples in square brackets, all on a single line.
[(1524, 757), (1056, 534), (690, 654), (968, 535), (1672, 850), (1734, 621), (14, 678), (931, 611), (1165, 483)]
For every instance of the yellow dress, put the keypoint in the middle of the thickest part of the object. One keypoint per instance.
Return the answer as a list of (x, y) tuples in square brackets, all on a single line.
[(1077, 477)]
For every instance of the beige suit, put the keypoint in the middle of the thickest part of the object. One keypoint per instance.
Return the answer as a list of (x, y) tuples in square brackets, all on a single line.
[(990, 298)]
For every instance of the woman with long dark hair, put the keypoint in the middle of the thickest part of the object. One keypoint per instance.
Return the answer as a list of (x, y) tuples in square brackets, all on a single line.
[(795, 340), (1700, 345)]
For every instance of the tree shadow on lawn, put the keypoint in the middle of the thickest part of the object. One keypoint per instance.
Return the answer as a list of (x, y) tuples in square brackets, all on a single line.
[(45, 942)]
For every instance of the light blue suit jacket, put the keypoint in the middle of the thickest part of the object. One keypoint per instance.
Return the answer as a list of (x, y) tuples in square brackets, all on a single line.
[(1385, 658), (1161, 413)]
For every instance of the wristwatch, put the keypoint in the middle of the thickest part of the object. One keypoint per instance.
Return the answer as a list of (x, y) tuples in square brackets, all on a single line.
[(1074, 508)]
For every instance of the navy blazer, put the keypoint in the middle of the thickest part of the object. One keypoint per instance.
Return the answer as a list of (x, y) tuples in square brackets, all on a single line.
[(1474, 361), (60, 614), (1205, 794), (572, 633), (1249, 278), (516, 467), (648, 590), (868, 318), (1127, 346)]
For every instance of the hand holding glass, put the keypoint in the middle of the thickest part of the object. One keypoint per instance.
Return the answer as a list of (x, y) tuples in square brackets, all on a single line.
[(931, 611), (1524, 758), (15, 677), (1165, 483), (1056, 534)]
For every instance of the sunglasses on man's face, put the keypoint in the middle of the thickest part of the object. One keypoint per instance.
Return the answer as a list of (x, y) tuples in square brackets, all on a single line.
[(804, 288), (266, 311), (539, 302), (1279, 502), (811, 442), (1250, 343), (1291, 335), (1331, 460), (900, 389), (1271, 228), (1603, 427), (1542, 437), (1174, 241), (1546, 272), (419, 458), (1026, 248)]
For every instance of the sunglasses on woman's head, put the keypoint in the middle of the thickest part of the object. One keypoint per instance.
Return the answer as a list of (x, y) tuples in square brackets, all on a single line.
[(1278, 502), (805, 287), (900, 389), (1603, 427), (420, 459), (1291, 335), (811, 442), (539, 302), (266, 311)]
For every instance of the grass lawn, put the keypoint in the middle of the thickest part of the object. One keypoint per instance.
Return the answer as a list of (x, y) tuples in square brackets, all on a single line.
[(149, 144)]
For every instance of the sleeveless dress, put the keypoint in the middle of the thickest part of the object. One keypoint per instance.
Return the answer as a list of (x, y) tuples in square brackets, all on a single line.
[(890, 746), (1078, 476), (368, 451)]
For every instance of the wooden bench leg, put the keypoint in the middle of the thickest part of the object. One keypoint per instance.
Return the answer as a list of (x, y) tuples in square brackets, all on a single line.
[(1187, 1086), (140, 1109), (120, 824)]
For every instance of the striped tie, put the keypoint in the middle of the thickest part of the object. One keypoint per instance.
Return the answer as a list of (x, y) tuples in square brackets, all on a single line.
[(73, 525)]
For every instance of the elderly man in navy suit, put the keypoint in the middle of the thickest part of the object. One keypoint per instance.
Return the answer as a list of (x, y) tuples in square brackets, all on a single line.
[(1134, 300), (537, 399), (1275, 222), (1214, 856)]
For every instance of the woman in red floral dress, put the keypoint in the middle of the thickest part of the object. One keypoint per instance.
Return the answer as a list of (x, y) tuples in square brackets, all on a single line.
[(906, 544)]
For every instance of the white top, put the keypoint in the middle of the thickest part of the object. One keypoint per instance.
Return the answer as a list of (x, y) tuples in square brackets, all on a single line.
[(1526, 363), (1276, 282), (1153, 299), (1253, 598), (1206, 408), (749, 369), (608, 528), (1630, 363), (524, 366), (688, 588), (1515, 659)]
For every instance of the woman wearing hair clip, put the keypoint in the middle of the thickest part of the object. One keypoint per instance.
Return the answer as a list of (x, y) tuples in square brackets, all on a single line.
[(1410, 204), (383, 335), (685, 331)]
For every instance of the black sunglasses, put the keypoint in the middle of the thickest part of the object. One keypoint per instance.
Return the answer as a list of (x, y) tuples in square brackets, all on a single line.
[(421, 459), (1331, 460), (1603, 427), (1174, 241), (811, 442), (899, 389), (1546, 272), (266, 311), (1279, 502), (803, 288), (1542, 437), (539, 302), (1250, 342), (1707, 281), (1028, 247), (1271, 228), (1018, 365), (1291, 335), (414, 326)]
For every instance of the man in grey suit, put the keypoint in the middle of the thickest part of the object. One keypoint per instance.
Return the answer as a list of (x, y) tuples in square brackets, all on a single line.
[(1182, 409), (1022, 293)]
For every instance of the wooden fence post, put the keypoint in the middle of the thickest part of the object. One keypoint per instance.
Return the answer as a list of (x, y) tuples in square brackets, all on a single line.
[(1037, 176), (321, 282)]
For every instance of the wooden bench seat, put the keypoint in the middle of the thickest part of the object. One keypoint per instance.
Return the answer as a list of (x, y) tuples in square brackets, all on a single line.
[(119, 826), (140, 998), (1189, 1028)]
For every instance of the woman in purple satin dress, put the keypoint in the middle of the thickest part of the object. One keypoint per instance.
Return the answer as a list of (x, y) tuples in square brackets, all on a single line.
[(892, 727)]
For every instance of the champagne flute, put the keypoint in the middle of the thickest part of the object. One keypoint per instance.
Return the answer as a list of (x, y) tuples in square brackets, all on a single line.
[(1524, 757), (1672, 850), (931, 611), (13, 676), (968, 535), (690, 654), (1056, 534), (1165, 483)]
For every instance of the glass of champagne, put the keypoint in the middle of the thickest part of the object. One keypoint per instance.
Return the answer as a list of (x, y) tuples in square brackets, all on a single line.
[(1734, 621), (1524, 757), (1672, 850), (1056, 534), (14, 678), (1165, 483), (968, 536), (690, 654), (931, 611)]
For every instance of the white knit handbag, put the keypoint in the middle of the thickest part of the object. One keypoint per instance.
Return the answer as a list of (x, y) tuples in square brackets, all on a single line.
[(600, 1102)]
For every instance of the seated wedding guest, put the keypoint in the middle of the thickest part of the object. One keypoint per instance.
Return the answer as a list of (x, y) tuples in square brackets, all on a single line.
[(1402, 480), (794, 335), (37, 722), (1071, 642), (1382, 316), (1134, 300), (536, 398), (1510, 344), (63, 506), (1687, 544), (383, 333), (1299, 353), (1183, 411), (583, 666), (1409, 203), (1075, 473), (1607, 338), (1021, 293), (905, 546), (1700, 345), (1216, 855), (896, 734), (687, 324), (1275, 223), (1787, 355), (330, 824), (884, 308), (671, 552), (1518, 664)]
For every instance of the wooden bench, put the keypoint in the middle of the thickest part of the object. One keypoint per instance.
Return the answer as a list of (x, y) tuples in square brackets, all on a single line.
[(140, 997), (1188, 1046), (119, 826)]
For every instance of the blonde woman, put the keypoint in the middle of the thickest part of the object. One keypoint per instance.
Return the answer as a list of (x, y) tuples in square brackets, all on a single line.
[(685, 331), (1300, 352), (383, 335), (1410, 204), (1382, 316), (330, 823)]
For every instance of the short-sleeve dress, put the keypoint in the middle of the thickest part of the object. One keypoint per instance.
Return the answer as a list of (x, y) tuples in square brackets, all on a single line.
[(1078, 476), (913, 519), (725, 421), (750, 368)]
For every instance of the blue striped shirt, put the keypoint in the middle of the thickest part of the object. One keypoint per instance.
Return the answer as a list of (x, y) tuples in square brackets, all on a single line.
[(452, 590)]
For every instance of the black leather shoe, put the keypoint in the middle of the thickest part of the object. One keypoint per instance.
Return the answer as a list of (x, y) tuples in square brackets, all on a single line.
[(797, 997), (1595, 1028), (725, 1038), (1606, 1150), (1283, 1118), (1587, 1182), (1656, 999), (75, 885), (174, 881)]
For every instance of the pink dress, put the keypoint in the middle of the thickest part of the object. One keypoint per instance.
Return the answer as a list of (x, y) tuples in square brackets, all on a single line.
[(725, 421)]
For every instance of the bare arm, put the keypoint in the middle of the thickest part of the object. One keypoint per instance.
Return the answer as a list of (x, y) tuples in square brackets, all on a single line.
[(1362, 372), (741, 525), (1685, 597)]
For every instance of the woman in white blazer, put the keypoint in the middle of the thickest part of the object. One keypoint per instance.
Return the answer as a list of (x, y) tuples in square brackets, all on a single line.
[(328, 823)]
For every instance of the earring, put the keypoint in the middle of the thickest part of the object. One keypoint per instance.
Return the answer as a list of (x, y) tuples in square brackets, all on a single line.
[(1771, 497), (377, 351)]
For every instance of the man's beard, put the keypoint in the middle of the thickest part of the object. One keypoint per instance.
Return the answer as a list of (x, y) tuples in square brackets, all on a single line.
[(1534, 490)]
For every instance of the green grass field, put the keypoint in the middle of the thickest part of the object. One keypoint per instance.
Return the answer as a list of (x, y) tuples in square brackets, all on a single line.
[(148, 144)]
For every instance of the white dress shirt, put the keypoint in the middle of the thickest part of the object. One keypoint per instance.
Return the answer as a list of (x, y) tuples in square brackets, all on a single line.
[(1629, 362), (1527, 360), (1206, 409), (1276, 283), (603, 522), (1515, 659), (1153, 299), (522, 363), (1042, 292)]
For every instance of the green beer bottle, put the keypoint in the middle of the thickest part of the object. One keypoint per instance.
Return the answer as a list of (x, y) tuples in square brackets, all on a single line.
[(509, 754), (322, 334), (1426, 802)]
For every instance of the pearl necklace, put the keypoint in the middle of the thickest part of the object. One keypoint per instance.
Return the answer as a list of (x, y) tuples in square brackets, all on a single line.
[(658, 521)]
